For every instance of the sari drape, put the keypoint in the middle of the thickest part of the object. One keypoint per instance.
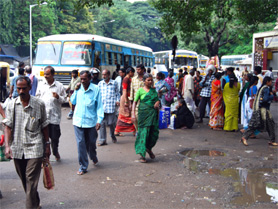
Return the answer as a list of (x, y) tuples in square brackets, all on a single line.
[(147, 123), (231, 101), (217, 109), (173, 92)]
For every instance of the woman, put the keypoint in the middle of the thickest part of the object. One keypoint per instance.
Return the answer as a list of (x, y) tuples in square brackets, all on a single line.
[(243, 96), (124, 123), (216, 121), (185, 118), (197, 88), (262, 119), (147, 118), (230, 95), (161, 87), (173, 92), (250, 96)]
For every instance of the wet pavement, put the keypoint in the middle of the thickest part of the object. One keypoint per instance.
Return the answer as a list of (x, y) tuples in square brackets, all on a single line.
[(194, 168)]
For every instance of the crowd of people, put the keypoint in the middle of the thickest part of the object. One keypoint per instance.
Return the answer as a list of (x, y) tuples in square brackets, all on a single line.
[(126, 103)]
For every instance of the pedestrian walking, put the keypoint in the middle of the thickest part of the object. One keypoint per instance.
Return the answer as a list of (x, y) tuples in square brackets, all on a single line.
[(13, 91), (110, 99), (262, 119), (124, 123), (53, 94), (87, 117), (33, 78), (26, 138), (148, 131), (74, 81), (119, 79)]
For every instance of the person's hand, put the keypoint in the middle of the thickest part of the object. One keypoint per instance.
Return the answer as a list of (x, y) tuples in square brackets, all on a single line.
[(133, 119), (118, 103), (47, 151), (98, 126), (55, 95), (77, 86), (156, 105), (8, 152)]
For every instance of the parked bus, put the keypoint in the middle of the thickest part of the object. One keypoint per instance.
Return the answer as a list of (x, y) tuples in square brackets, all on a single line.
[(67, 52), (183, 58), (202, 60), (230, 60)]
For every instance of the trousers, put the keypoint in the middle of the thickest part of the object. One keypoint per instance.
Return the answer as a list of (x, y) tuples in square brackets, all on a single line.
[(29, 171), (108, 120), (202, 106), (54, 134)]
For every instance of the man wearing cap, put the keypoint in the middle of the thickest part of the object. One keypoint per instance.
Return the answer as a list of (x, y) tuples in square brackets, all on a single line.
[(95, 73)]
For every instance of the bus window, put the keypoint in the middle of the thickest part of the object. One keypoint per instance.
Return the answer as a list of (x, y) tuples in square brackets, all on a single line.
[(109, 57), (127, 60), (48, 52), (120, 59), (115, 58), (97, 59), (77, 53), (102, 54), (134, 60)]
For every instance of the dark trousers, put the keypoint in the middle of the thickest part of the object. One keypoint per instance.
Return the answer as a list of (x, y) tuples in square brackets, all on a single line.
[(29, 171), (110, 120), (54, 135), (202, 106)]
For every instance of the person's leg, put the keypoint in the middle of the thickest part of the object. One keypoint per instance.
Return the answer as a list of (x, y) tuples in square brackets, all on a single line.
[(90, 140), (81, 147), (20, 167), (54, 135), (202, 108), (136, 118), (112, 120), (270, 127), (33, 171), (102, 130)]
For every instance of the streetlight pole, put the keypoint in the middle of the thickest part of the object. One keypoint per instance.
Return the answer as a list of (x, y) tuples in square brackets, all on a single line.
[(31, 55)]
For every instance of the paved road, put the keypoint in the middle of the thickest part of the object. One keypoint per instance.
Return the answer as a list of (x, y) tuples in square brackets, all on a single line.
[(237, 179)]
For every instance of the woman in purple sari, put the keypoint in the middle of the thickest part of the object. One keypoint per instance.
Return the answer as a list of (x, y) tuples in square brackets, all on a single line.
[(173, 92)]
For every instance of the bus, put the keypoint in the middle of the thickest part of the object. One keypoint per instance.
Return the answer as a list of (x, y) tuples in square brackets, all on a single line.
[(230, 60), (202, 61), (66, 52), (183, 58)]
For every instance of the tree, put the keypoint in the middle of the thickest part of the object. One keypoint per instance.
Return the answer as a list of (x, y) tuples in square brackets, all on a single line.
[(213, 18)]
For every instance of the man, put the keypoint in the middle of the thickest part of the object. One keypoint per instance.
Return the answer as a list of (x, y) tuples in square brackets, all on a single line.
[(185, 69), (26, 135), (237, 74), (188, 91), (137, 83), (116, 72), (34, 80), (13, 92), (74, 81), (87, 117), (95, 74), (110, 99), (269, 73), (53, 94), (229, 71), (119, 79), (206, 92), (258, 73)]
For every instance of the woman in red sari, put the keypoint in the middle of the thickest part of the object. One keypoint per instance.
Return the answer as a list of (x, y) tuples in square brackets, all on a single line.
[(216, 121), (124, 123)]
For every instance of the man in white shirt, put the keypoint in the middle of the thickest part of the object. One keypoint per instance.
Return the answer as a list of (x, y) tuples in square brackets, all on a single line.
[(269, 73), (188, 90), (258, 73), (53, 94)]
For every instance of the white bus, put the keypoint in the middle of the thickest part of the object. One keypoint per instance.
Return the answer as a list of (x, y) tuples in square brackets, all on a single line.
[(67, 52), (183, 58), (202, 60), (230, 60)]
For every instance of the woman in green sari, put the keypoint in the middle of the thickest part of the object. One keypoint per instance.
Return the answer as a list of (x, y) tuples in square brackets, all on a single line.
[(147, 118)]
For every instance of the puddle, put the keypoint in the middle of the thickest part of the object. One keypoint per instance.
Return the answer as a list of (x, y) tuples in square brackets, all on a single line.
[(196, 153), (248, 184)]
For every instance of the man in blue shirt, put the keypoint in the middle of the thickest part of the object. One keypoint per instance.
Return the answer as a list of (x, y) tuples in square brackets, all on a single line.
[(110, 99), (88, 115), (13, 92)]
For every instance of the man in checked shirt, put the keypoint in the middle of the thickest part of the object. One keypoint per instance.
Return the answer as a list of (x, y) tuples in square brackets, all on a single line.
[(110, 95)]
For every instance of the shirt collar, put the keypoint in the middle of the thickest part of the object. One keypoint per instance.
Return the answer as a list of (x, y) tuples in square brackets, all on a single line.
[(31, 102), (90, 88), (53, 84)]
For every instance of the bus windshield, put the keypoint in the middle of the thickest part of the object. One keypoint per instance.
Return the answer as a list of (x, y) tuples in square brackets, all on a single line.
[(77, 53), (185, 61), (48, 53)]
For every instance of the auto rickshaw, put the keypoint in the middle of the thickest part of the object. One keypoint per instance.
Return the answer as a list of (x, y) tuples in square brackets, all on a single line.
[(4, 80)]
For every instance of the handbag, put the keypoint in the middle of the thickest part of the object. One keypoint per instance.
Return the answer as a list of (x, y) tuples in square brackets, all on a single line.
[(251, 102), (48, 177)]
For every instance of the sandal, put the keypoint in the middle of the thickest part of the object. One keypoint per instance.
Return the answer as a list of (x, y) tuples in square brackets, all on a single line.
[(119, 134), (142, 160), (102, 144), (242, 131), (81, 172), (272, 143), (152, 156), (244, 141)]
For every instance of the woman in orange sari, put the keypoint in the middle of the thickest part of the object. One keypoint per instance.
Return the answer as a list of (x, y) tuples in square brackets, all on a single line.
[(124, 123), (216, 121)]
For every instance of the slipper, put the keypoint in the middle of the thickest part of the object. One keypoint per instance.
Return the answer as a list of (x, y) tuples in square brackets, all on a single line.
[(119, 134), (142, 160), (81, 172), (272, 144), (152, 156), (102, 144), (244, 141)]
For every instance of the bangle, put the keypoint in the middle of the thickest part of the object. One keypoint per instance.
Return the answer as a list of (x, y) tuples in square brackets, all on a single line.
[(48, 142)]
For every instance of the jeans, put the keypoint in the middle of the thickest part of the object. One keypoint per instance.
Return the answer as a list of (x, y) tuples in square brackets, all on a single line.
[(86, 143)]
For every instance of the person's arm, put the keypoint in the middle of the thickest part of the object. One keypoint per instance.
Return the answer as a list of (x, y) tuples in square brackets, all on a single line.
[(8, 122), (61, 95), (73, 97), (100, 111), (117, 91), (268, 96), (131, 97), (45, 133), (11, 91), (2, 112), (203, 81)]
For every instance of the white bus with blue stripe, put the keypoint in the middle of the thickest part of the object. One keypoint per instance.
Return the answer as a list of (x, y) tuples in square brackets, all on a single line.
[(66, 52)]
